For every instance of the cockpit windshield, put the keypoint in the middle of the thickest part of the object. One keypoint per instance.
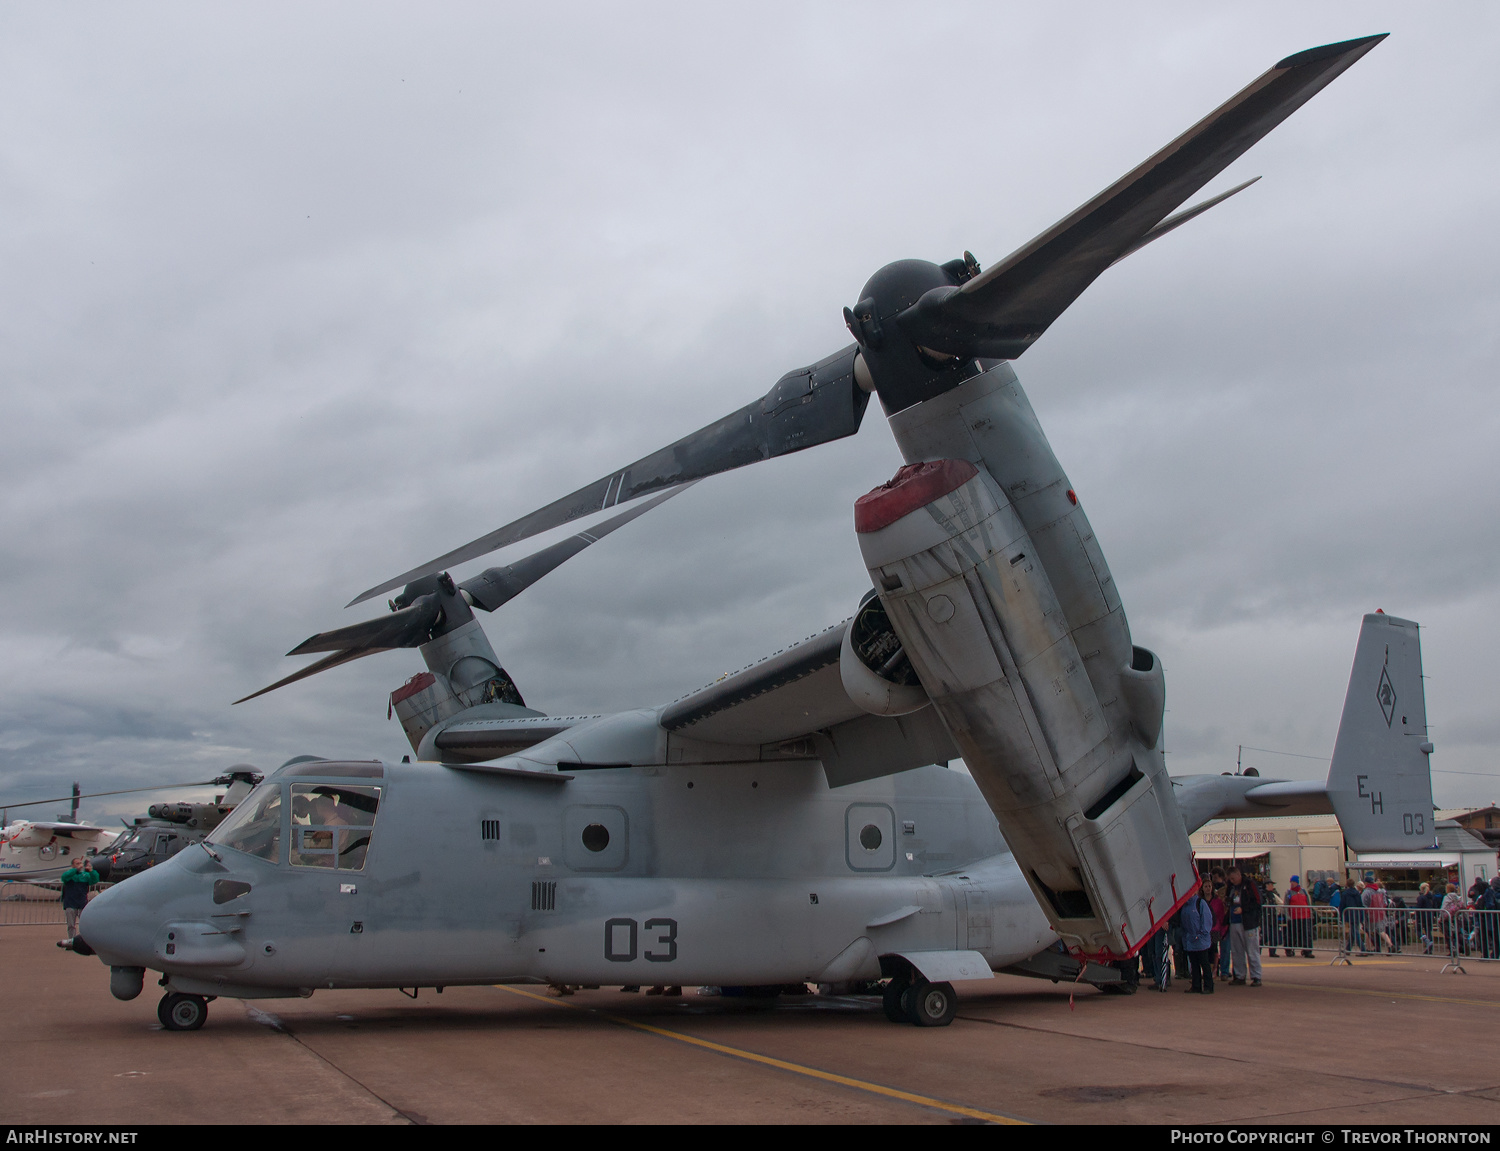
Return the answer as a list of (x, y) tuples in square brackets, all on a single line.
[(332, 824), (254, 826)]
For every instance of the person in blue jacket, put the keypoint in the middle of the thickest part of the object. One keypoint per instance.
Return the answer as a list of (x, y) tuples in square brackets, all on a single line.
[(1197, 920)]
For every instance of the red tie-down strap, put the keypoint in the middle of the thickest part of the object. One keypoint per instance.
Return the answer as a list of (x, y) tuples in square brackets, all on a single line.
[(1106, 955), (1082, 967)]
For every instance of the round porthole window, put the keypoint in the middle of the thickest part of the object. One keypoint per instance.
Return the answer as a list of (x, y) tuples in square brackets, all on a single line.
[(596, 837), (869, 837)]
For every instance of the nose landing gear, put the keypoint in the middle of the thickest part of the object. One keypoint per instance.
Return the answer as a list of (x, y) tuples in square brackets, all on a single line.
[(179, 1012)]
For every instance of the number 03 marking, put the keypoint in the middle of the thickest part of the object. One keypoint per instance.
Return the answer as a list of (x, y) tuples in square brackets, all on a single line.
[(620, 940)]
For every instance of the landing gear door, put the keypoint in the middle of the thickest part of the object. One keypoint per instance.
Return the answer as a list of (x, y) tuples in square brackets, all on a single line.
[(979, 919)]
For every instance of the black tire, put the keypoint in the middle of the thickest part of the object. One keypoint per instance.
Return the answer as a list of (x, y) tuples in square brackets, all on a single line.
[(891, 1000), (179, 1012), (930, 1004)]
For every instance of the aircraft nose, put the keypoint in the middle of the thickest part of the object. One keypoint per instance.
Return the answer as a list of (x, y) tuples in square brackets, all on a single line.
[(119, 924)]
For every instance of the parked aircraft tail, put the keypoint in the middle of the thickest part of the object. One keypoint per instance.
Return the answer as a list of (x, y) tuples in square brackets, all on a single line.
[(1380, 783)]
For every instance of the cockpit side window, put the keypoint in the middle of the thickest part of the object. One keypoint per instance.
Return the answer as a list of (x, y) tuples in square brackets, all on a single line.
[(332, 824), (254, 826)]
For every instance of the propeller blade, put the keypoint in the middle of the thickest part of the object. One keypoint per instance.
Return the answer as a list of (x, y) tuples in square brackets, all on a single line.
[(412, 626), (810, 406), (1182, 218), (1002, 311), (498, 585), (407, 627), (324, 664)]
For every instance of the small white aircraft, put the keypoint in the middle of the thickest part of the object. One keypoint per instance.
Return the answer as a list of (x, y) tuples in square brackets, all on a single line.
[(32, 851)]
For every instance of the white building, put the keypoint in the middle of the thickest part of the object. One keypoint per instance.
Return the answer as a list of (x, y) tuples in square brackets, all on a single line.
[(1313, 847)]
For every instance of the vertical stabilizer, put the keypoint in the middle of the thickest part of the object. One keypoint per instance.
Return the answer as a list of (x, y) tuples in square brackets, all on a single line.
[(1380, 782)]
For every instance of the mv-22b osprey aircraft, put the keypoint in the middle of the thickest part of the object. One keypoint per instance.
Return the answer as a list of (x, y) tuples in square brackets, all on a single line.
[(793, 822)]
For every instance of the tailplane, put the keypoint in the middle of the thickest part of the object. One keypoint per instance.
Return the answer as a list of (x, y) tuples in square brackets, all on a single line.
[(1380, 783)]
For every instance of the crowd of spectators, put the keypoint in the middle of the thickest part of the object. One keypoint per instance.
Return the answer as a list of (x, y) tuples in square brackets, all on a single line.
[(1220, 931)]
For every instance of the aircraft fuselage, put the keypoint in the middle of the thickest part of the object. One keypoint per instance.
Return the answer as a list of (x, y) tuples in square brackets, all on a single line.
[(729, 875)]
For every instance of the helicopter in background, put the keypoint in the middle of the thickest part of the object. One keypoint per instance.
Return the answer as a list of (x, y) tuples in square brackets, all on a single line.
[(37, 851), (167, 828)]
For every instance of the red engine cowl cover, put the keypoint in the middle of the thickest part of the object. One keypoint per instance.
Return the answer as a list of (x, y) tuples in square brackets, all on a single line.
[(913, 487)]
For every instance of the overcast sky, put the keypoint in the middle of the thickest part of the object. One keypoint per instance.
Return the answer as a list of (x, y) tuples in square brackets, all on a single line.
[(296, 296)]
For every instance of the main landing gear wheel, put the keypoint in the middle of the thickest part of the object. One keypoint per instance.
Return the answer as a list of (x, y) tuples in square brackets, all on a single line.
[(890, 999), (930, 1004), (179, 1012)]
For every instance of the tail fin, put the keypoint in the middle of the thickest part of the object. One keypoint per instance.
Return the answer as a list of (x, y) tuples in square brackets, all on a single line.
[(1380, 782)]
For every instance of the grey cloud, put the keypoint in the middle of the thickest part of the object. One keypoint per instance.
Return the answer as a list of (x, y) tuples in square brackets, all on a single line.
[(284, 314)]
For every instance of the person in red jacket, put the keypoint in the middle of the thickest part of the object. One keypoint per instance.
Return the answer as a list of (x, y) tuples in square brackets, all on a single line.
[(1298, 919)]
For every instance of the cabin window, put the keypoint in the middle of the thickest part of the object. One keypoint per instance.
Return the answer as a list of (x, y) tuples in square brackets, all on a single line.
[(254, 826), (332, 824), (596, 837)]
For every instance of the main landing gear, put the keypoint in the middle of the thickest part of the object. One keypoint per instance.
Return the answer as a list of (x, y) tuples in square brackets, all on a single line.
[(179, 1012), (925, 1004)]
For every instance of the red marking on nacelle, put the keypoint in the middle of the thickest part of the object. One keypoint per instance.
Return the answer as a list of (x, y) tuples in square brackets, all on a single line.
[(419, 682), (914, 486)]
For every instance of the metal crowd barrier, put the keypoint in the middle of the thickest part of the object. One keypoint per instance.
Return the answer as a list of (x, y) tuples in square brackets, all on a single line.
[(1368, 931), (27, 904)]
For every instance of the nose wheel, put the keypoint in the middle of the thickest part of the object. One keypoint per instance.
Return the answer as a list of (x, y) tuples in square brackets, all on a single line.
[(179, 1012)]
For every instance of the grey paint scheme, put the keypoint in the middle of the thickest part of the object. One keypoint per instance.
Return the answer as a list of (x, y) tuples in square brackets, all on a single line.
[(730, 858), (734, 860), (758, 863), (791, 704)]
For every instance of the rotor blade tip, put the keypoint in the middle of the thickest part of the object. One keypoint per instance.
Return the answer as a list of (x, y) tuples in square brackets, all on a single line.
[(1329, 51)]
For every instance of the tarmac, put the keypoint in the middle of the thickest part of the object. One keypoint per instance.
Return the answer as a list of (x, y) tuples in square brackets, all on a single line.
[(1389, 1040)]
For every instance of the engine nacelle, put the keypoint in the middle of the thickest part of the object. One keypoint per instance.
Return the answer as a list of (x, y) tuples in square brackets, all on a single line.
[(873, 666), (30, 836), (995, 586)]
